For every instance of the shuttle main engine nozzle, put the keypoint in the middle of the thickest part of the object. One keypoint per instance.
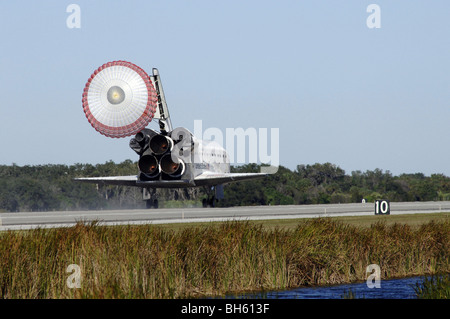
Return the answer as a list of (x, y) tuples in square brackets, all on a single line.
[(172, 165), (160, 144), (148, 165)]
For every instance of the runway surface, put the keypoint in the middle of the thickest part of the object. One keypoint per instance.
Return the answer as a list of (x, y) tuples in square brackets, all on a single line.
[(28, 220)]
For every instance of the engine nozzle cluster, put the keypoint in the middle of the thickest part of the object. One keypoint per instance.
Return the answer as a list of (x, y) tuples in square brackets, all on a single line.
[(156, 161)]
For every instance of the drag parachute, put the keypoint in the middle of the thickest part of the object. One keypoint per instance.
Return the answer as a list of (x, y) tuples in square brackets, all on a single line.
[(119, 99)]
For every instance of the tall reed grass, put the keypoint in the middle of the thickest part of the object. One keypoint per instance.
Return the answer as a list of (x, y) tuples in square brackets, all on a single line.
[(151, 262), (434, 287)]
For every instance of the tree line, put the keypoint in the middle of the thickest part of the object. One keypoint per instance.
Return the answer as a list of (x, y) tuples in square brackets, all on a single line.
[(51, 187)]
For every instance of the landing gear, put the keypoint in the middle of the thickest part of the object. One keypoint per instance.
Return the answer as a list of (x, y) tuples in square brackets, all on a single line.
[(149, 203), (149, 195), (211, 202), (213, 193)]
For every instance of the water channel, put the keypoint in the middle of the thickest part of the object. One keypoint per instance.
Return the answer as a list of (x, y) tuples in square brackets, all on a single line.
[(389, 289)]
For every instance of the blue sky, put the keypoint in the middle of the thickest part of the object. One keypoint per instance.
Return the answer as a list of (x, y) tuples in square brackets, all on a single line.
[(338, 91)]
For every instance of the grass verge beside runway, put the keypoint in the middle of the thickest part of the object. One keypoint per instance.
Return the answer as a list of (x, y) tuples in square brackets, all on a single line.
[(412, 220), (153, 261)]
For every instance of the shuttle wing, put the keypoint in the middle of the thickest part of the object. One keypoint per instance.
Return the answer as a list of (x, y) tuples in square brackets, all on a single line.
[(133, 180), (204, 179), (212, 178), (110, 180)]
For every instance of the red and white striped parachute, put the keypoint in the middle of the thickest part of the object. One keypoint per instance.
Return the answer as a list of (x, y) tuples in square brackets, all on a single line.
[(119, 99)]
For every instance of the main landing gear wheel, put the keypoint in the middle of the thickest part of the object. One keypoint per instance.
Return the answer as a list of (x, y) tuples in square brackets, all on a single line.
[(211, 202), (150, 197), (152, 203)]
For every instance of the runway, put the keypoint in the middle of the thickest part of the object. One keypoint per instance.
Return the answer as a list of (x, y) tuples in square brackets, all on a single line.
[(29, 220)]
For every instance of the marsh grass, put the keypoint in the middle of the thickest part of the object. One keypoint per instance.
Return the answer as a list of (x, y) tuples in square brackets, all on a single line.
[(149, 261), (434, 287)]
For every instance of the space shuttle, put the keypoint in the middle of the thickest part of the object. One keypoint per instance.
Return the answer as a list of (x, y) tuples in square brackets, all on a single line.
[(119, 100)]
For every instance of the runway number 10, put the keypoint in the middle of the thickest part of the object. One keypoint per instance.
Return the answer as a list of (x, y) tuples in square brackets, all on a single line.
[(382, 207)]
